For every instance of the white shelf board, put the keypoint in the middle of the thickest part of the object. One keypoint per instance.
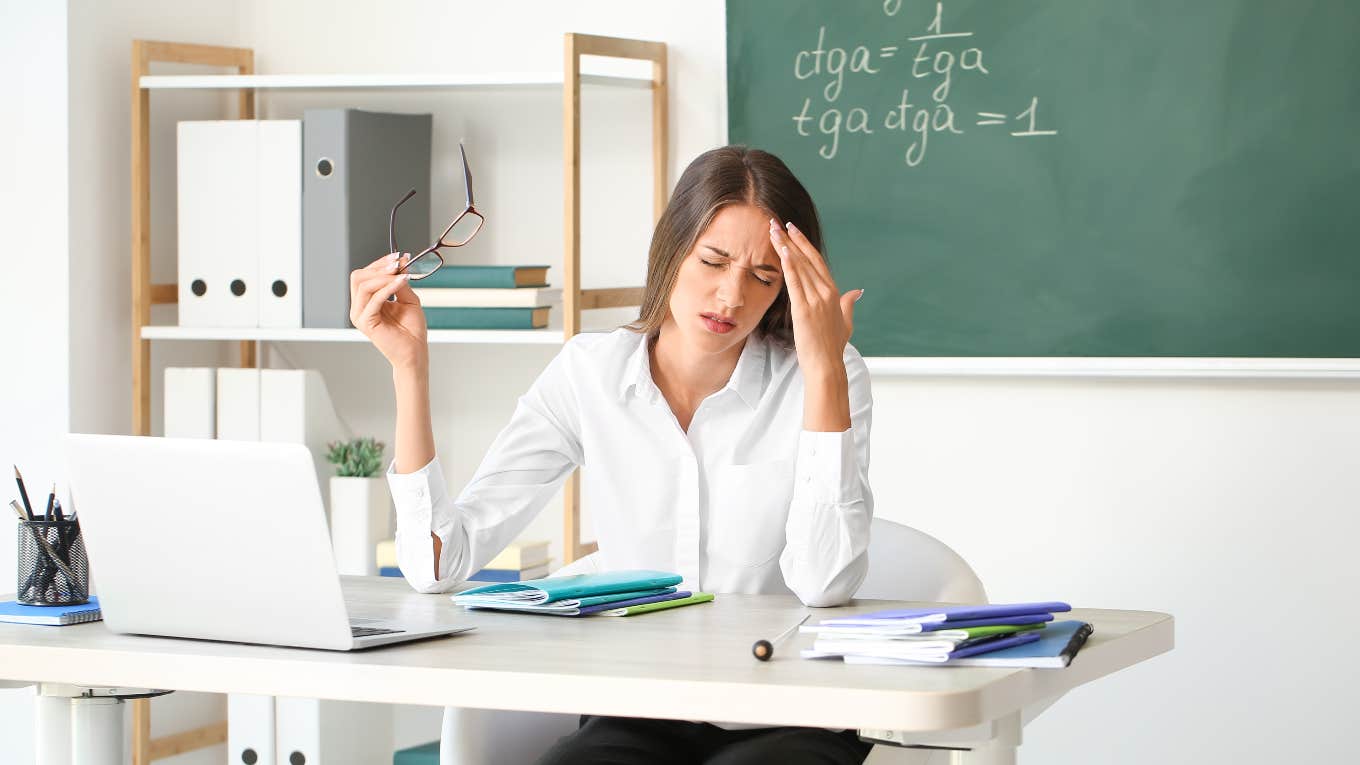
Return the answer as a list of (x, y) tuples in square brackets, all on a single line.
[(394, 80), (323, 335), (1094, 367)]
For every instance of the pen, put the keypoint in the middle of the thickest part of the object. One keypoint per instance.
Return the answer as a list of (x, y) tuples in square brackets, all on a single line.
[(56, 509), (19, 479), (50, 497), (764, 649), (14, 503)]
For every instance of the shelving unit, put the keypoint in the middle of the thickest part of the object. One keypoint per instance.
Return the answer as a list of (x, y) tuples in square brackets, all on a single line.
[(574, 298)]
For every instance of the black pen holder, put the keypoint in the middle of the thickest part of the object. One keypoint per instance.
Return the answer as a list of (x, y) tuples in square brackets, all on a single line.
[(53, 568)]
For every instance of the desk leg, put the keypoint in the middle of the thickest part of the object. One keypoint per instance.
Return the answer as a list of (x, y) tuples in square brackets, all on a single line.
[(994, 753), (998, 749), (83, 725), (97, 731), (52, 729)]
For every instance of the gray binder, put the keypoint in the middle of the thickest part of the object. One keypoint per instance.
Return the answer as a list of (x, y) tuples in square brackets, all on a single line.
[(356, 165)]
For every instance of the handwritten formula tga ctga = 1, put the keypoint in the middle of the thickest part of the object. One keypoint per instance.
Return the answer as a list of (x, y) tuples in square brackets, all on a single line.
[(938, 57)]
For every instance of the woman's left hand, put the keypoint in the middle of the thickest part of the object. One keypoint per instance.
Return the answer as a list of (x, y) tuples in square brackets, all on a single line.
[(823, 318)]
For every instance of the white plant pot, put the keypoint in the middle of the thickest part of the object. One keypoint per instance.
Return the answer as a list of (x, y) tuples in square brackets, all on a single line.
[(361, 517)]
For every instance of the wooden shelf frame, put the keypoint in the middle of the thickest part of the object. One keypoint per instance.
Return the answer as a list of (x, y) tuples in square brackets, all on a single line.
[(574, 299)]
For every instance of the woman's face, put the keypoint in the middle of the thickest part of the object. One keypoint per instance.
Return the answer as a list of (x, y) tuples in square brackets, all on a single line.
[(727, 281)]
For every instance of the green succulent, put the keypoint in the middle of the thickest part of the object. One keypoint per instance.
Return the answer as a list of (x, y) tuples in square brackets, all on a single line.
[(357, 458)]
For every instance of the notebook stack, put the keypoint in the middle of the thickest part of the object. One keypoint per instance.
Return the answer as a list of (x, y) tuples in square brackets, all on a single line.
[(1005, 635), (614, 593), (386, 556), (487, 297), (517, 562)]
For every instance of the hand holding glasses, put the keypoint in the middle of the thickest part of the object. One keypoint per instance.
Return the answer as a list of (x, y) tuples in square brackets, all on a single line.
[(464, 226)]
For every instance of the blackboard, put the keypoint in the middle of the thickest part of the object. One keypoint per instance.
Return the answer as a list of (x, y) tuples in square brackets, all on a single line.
[(1071, 178)]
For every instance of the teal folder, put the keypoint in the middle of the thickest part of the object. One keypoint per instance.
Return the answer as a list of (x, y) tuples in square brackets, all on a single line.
[(552, 589)]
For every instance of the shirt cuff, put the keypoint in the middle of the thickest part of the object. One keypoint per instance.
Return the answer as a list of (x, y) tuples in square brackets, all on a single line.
[(417, 499), (827, 469)]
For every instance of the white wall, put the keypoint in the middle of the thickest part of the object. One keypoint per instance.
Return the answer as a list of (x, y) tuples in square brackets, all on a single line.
[(34, 385), (1204, 499)]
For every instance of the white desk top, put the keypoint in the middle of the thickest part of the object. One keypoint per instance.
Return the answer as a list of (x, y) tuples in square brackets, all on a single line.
[(686, 663)]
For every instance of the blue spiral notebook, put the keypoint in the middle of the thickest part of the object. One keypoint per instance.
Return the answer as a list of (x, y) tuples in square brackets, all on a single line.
[(56, 616)]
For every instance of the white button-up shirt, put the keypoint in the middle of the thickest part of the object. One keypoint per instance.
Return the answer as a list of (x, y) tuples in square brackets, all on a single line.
[(746, 501)]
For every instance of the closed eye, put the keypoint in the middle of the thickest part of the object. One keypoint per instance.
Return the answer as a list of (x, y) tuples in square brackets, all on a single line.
[(712, 264)]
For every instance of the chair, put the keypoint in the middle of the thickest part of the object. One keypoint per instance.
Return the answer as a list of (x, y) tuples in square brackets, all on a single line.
[(904, 564)]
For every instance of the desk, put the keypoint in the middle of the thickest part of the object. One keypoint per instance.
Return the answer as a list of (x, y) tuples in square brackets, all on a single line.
[(687, 663)]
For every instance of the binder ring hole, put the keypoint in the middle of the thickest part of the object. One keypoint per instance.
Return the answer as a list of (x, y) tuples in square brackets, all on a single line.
[(279, 288), (324, 167), (249, 757), (198, 287), (238, 287)]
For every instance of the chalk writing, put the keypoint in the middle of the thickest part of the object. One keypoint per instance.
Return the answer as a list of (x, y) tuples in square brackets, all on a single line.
[(943, 58)]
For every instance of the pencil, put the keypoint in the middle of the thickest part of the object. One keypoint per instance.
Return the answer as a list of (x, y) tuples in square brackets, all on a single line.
[(19, 479), (51, 497)]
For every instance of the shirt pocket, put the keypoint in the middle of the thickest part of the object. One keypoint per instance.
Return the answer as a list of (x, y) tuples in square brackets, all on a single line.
[(748, 506)]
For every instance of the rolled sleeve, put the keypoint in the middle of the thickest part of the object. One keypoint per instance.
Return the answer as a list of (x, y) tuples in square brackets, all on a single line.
[(828, 467), (422, 506), (827, 533)]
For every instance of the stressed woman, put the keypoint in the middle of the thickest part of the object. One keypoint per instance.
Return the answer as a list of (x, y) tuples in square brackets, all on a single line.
[(726, 430)]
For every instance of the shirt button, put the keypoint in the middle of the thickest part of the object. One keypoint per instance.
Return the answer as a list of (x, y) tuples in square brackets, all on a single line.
[(420, 491)]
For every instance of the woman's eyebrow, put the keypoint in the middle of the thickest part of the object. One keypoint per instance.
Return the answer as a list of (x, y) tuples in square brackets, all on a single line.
[(728, 255)]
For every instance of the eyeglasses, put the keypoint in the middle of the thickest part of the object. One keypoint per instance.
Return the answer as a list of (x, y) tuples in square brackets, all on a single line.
[(460, 231)]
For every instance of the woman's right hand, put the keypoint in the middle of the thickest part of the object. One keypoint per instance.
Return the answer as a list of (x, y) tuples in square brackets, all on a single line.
[(397, 328)]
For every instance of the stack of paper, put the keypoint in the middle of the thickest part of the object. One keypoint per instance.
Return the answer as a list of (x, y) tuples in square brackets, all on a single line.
[(613, 593), (945, 635), (517, 562)]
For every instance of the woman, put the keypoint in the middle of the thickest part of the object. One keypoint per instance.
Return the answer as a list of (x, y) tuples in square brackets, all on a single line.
[(726, 432)]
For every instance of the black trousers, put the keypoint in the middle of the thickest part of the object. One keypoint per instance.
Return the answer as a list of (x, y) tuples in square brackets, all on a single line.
[(635, 741)]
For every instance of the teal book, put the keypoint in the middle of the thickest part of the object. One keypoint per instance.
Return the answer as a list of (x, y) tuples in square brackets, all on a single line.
[(425, 754), (577, 588), (486, 318), (493, 277)]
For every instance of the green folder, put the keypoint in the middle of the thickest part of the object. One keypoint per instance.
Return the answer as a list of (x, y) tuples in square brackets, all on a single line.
[(698, 597)]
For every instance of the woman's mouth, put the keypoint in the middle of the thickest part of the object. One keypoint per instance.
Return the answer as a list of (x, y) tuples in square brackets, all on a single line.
[(718, 324)]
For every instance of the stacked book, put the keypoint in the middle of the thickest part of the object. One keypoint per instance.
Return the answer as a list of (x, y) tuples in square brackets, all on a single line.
[(1006, 635), (386, 555), (614, 593), (518, 561), (487, 297)]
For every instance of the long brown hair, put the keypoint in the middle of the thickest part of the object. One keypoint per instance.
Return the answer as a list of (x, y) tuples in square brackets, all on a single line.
[(715, 179)]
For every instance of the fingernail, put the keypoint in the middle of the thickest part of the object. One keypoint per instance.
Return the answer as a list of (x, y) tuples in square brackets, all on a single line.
[(861, 294), (791, 226)]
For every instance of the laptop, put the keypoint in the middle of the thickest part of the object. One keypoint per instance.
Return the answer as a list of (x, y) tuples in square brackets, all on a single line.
[(216, 540)]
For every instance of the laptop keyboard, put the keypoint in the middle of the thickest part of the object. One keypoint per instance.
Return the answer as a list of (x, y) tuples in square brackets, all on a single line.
[(369, 631)]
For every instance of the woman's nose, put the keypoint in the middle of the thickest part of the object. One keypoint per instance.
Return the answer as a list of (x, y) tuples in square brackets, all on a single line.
[(730, 291)]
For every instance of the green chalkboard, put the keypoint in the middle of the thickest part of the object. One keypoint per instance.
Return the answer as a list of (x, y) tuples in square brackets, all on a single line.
[(1071, 177)]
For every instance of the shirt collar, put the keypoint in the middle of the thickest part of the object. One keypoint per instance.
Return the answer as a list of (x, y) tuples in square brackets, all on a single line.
[(747, 379)]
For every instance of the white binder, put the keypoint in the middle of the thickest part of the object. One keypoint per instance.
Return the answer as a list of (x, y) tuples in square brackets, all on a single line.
[(295, 407), (319, 732), (251, 729), (238, 404), (190, 402), (279, 195), (218, 224)]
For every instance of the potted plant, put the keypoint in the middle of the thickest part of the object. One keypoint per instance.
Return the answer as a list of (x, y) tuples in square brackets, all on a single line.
[(361, 508)]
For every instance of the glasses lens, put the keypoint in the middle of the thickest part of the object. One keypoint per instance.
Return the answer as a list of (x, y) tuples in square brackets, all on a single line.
[(463, 230), (424, 264)]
